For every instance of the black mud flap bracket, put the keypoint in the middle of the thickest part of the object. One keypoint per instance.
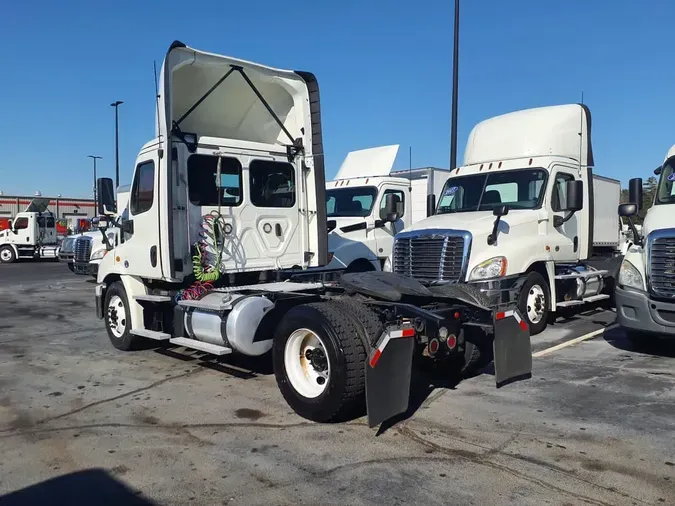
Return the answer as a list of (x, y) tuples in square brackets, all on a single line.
[(388, 374), (512, 348)]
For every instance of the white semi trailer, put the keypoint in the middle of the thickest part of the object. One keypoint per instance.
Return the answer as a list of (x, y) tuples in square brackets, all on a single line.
[(226, 199), (525, 219), (645, 294)]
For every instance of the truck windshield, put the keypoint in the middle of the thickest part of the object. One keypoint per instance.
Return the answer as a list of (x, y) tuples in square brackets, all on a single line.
[(350, 202), (520, 189), (666, 190)]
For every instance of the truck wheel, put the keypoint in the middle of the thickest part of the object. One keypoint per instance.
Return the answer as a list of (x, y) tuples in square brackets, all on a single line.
[(319, 360), (7, 255), (118, 317), (534, 302)]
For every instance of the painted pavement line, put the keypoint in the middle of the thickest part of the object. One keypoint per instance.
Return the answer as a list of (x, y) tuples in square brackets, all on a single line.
[(574, 341)]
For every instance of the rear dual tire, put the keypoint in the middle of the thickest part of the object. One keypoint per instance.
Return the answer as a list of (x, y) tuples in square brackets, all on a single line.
[(328, 386)]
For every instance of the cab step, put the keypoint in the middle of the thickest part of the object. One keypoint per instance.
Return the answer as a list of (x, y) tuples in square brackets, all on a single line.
[(153, 298), (584, 274), (150, 334), (592, 298), (213, 349)]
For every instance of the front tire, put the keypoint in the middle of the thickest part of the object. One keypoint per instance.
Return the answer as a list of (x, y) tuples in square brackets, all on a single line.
[(534, 302), (118, 318), (319, 362), (7, 255)]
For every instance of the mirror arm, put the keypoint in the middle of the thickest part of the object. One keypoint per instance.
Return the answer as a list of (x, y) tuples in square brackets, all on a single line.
[(492, 238), (559, 222), (637, 240)]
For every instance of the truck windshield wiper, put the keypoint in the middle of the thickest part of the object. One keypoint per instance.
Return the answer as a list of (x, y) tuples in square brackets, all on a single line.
[(292, 150)]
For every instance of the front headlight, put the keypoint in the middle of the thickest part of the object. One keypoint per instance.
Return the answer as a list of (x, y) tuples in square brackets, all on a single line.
[(492, 268), (630, 276), (98, 254), (387, 265)]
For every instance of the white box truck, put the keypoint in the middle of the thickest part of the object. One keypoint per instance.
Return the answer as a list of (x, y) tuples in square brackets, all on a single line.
[(230, 195), (525, 219), (359, 237), (645, 294)]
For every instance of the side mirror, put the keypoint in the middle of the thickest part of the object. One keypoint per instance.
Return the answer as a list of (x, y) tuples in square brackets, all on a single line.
[(657, 170), (106, 196), (501, 210), (575, 195), (431, 204), (628, 210), (635, 192), (389, 213)]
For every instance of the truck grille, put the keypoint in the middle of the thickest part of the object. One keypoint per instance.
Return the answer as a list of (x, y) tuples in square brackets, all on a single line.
[(82, 249), (662, 267), (433, 257)]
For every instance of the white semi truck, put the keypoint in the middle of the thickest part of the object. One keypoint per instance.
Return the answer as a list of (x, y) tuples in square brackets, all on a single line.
[(226, 199), (645, 294), (525, 219), (32, 234), (359, 237)]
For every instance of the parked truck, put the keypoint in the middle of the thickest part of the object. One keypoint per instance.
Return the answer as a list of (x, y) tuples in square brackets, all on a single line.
[(645, 294), (229, 197), (359, 237), (525, 219), (32, 234)]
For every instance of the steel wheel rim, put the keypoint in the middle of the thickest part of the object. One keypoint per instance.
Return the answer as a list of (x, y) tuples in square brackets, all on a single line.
[(5, 255), (536, 304), (301, 372), (117, 316)]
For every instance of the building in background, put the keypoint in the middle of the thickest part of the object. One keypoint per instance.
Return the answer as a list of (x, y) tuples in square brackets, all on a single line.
[(70, 213)]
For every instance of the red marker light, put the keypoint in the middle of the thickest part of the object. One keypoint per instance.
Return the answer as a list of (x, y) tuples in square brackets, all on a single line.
[(452, 341), (433, 346), (457, 315)]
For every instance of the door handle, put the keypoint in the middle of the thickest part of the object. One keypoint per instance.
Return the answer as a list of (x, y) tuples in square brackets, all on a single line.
[(277, 230)]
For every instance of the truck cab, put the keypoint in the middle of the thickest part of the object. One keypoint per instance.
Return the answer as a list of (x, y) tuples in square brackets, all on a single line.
[(524, 219), (645, 294), (361, 235), (32, 234)]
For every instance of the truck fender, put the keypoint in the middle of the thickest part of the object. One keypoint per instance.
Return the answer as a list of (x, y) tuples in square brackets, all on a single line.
[(133, 287), (11, 245)]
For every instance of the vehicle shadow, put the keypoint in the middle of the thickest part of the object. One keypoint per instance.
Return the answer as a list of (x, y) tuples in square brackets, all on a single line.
[(237, 365), (616, 337), (89, 487)]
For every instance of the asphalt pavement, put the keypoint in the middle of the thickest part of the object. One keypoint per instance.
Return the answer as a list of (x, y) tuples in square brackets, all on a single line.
[(82, 423)]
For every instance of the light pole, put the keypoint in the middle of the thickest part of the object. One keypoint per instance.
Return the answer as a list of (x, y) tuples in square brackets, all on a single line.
[(117, 144), (93, 157), (455, 65)]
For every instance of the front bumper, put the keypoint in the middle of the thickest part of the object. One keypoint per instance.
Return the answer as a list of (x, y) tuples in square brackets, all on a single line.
[(636, 311), (85, 268), (66, 256), (501, 291)]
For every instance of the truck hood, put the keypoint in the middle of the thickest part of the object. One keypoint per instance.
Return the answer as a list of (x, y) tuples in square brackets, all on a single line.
[(233, 109), (658, 217), (479, 223)]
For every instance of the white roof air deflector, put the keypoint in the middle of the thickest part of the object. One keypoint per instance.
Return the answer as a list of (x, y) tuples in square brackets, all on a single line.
[(37, 206), (210, 95), (372, 162)]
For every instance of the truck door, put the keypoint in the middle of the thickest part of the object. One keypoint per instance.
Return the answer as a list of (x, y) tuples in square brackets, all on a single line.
[(384, 236), (564, 240), (139, 254), (23, 226)]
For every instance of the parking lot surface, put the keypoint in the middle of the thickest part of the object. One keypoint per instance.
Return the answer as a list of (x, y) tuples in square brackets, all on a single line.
[(82, 423)]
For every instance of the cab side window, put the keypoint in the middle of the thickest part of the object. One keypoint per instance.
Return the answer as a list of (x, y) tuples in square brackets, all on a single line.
[(21, 224), (143, 189), (559, 194)]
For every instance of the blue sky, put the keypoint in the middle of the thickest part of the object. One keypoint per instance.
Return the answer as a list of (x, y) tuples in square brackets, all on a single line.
[(384, 69)]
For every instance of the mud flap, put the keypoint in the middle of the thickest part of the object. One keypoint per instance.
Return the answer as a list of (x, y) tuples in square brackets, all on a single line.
[(388, 374), (512, 349)]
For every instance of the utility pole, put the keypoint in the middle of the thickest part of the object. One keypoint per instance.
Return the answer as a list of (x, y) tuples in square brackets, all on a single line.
[(93, 157), (117, 144), (455, 67)]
